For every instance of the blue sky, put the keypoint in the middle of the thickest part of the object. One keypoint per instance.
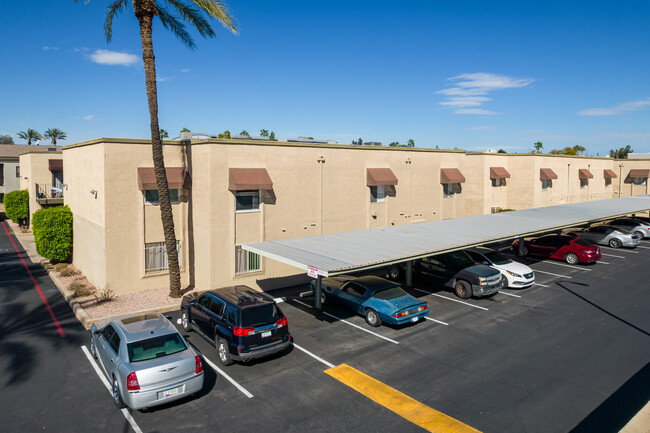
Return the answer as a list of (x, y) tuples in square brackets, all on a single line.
[(467, 74)]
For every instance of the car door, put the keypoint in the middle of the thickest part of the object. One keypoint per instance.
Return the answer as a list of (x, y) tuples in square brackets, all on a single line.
[(110, 346), (216, 319), (351, 295), (103, 339), (544, 246), (201, 314), (596, 234), (436, 268)]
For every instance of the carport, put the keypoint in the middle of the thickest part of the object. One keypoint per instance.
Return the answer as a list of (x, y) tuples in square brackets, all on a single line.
[(340, 253)]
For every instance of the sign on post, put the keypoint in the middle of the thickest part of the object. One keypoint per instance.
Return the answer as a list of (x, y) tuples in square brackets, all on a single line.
[(314, 272)]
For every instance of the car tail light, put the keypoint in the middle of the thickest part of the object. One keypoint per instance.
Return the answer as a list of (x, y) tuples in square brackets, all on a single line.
[(282, 322), (199, 365), (132, 382), (424, 307), (242, 332), (402, 314)]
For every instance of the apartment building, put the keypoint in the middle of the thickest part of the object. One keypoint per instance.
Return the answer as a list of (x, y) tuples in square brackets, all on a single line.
[(229, 192), (42, 176)]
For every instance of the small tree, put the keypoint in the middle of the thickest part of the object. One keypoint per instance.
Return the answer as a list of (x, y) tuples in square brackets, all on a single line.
[(244, 133), (264, 132), (394, 144), (410, 143), (185, 130), (6, 139), (272, 136), (501, 151), (52, 229), (17, 206), (538, 146), (225, 134), (164, 133)]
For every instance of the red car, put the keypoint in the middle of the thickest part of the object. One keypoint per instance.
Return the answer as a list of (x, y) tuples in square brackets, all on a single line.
[(560, 247)]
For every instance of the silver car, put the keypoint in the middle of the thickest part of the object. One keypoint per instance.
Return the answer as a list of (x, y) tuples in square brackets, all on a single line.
[(606, 235), (639, 227), (146, 360)]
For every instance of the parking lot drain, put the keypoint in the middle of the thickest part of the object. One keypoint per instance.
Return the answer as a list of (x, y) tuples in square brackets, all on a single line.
[(397, 402)]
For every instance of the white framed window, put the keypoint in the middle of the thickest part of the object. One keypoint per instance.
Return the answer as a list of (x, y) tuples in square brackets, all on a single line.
[(639, 180), (499, 181), (151, 196), (378, 194), (546, 184), (246, 262), (155, 257), (247, 200), (584, 183), (451, 189)]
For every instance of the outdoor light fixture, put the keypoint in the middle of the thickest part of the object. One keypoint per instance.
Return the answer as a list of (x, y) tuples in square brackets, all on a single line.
[(93, 191)]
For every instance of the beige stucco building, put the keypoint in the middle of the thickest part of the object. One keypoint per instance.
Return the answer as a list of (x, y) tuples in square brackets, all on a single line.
[(41, 174), (229, 192)]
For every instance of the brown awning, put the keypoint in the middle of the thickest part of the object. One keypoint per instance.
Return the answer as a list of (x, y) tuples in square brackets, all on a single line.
[(547, 174), (55, 164), (609, 174), (639, 172), (380, 176), (451, 175), (583, 173), (499, 172), (177, 177), (249, 178)]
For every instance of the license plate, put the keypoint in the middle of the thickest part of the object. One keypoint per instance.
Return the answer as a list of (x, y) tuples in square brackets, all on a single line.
[(415, 319), (170, 392), (266, 334)]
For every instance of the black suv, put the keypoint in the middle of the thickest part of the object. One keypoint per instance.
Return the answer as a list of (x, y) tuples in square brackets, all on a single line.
[(241, 323)]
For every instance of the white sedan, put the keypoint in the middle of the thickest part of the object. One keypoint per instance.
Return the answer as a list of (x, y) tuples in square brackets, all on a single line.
[(517, 274)]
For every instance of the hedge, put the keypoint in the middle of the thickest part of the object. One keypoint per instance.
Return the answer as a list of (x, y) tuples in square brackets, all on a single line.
[(17, 205), (52, 228)]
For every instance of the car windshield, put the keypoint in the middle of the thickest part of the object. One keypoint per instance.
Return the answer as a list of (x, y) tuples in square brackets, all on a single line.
[(497, 258), (155, 347), (582, 242), (258, 316), (390, 293)]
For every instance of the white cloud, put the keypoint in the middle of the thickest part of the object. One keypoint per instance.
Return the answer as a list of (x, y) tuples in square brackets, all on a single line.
[(480, 128), (163, 79), (107, 57), (617, 110), (185, 70), (46, 48), (89, 117), (468, 89)]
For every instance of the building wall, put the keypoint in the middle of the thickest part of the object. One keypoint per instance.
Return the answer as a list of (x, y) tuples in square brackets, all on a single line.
[(624, 186), (10, 182), (316, 190), (35, 169)]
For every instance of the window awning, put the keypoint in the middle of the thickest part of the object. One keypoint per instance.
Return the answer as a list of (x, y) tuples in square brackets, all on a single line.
[(451, 175), (177, 177), (499, 172), (639, 172), (380, 176), (609, 174), (55, 164), (547, 174), (249, 178), (583, 173)]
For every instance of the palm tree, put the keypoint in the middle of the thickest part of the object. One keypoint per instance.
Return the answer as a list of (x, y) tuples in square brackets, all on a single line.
[(194, 12), (579, 149), (244, 133), (264, 132), (410, 143), (164, 133), (29, 135), (538, 146), (55, 134)]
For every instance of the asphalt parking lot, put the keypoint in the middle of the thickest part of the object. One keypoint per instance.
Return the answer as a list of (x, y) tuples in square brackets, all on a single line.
[(569, 353)]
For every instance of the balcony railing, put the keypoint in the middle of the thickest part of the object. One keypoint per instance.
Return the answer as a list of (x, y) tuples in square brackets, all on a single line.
[(48, 194)]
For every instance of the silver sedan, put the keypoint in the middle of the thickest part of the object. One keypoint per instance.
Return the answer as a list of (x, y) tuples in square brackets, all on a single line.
[(633, 225), (146, 361), (606, 235)]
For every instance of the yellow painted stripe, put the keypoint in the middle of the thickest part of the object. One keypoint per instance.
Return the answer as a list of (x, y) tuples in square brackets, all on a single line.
[(403, 405)]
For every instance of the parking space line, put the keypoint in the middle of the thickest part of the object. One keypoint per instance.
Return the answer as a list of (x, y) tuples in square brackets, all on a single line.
[(349, 323), (228, 378), (621, 250), (450, 299), (317, 358), (124, 411), (437, 321), (612, 255), (509, 294), (565, 265), (397, 402), (641, 246), (541, 285), (551, 273), (602, 263)]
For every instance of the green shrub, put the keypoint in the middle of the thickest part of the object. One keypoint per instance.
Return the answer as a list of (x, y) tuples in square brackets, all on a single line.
[(52, 229), (60, 266), (17, 205), (504, 210)]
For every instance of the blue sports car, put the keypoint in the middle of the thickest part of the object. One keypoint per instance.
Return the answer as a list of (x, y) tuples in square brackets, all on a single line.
[(377, 299)]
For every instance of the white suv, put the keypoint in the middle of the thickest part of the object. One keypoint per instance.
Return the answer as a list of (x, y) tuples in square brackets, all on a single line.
[(517, 274)]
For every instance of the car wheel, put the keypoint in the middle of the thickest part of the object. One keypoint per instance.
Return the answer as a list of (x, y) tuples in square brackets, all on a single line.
[(394, 272), (524, 252), (505, 282), (323, 297), (117, 396), (615, 243), (462, 290), (571, 259), (93, 349), (185, 321), (372, 318), (639, 234), (224, 353)]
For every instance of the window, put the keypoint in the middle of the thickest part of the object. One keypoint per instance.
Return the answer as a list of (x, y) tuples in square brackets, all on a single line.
[(546, 184), (2, 174), (155, 347), (639, 180), (354, 290), (151, 196), (111, 338), (17, 171), (217, 306), (378, 194), (232, 316), (451, 189), (584, 183), (247, 200), (608, 181), (205, 301), (499, 181), (246, 262), (155, 257)]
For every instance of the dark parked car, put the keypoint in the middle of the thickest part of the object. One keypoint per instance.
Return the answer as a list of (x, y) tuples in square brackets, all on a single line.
[(242, 323), (571, 249), (377, 299)]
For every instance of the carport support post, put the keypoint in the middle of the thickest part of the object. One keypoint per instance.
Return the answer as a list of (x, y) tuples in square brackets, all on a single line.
[(318, 292), (409, 273), (520, 247)]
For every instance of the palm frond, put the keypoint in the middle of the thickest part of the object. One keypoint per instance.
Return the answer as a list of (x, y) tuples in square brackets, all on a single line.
[(113, 9), (219, 11), (194, 16), (170, 22)]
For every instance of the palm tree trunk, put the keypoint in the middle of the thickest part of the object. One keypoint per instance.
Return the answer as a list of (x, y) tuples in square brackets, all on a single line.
[(145, 14)]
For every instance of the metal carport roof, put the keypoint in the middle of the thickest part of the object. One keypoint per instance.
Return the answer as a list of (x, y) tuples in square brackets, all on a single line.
[(338, 253)]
